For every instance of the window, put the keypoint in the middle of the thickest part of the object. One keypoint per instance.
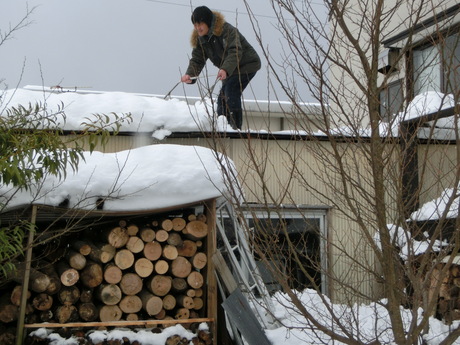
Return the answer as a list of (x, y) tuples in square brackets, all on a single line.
[(391, 100), (436, 66)]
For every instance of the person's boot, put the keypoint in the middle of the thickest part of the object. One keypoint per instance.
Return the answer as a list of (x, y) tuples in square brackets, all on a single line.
[(236, 119)]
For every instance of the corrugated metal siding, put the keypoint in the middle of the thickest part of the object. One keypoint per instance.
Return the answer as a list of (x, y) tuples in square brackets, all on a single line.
[(349, 256)]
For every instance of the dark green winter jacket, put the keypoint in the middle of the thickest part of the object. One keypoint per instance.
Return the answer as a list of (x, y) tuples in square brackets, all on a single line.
[(225, 46)]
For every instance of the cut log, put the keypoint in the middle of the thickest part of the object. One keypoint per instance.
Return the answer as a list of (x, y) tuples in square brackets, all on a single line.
[(143, 267), (112, 273), (109, 294), (55, 280), (147, 234), (199, 260), (455, 271), (181, 267), (191, 293), (117, 237), (16, 295), (197, 303), (191, 217), (185, 301), (135, 244), (38, 281), (161, 236), (102, 252), (169, 302), (86, 295), (88, 312), (182, 314), (167, 224), (69, 276), (66, 313), (179, 284), (175, 239), (150, 303), (178, 223), (159, 284), (187, 249), (199, 292), (8, 311), (92, 275), (81, 247), (161, 267), (122, 223), (110, 313), (152, 250), (132, 230), (132, 317), (196, 230), (169, 252), (201, 217), (42, 302), (195, 280), (131, 284), (130, 304), (75, 259), (161, 315), (68, 295), (46, 316), (124, 259)]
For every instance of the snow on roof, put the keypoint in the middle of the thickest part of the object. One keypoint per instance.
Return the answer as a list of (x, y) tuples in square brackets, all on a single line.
[(146, 178)]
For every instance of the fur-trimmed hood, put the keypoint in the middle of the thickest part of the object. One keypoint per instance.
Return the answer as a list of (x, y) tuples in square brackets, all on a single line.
[(216, 28)]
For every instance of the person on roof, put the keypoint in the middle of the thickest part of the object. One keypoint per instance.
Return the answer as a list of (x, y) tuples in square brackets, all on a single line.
[(215, 39)]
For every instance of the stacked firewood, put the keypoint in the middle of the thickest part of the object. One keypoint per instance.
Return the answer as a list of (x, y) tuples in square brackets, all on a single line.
[(448, 308), (125, 272)]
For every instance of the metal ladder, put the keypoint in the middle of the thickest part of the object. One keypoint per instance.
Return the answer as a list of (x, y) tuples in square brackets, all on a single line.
[(244, 268)]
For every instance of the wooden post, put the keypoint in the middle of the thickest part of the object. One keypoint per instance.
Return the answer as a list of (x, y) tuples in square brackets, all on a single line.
[(25, 284), (211, 244)]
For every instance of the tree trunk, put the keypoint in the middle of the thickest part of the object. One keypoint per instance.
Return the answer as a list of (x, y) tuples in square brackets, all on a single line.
[(88, 311), (81, 247), (112, 273), (135, 244), (69, 276), (102, 252), (124, 259), (110, 313), (181, 267), (92, 275), (196, 230), (150, 303), (117, 237), (147, 234), (130, 304), (109, 294), (160, 285), (152, 250), (69, 295), (42, 302), (143, 267), (75, 260), (131, 284)]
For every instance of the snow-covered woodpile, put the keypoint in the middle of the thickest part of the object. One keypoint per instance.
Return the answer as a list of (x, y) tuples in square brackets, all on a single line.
[(123, 271)]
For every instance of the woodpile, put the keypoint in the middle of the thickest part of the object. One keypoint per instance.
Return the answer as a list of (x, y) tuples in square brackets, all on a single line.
[(124, 272), (448, 307)]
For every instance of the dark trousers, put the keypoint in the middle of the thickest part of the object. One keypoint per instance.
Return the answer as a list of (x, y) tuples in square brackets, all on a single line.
[(229, 100)]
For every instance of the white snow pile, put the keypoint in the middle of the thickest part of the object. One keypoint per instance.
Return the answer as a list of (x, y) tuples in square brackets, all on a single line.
[(369, 322), (448, 203), (407, 245), (149, 113), (142, 336), (144, 178)]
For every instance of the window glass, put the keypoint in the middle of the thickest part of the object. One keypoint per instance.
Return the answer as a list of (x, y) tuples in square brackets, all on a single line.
[(451, 62), (427, 70), (391, 101)]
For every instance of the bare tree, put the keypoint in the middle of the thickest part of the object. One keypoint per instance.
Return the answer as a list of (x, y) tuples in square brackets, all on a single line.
[(372, 174)]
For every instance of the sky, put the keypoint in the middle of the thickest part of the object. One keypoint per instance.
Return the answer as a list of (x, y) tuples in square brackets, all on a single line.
[(140, 46)]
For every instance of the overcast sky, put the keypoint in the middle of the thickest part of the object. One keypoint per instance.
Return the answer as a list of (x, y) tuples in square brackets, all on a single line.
[(140, 46)]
